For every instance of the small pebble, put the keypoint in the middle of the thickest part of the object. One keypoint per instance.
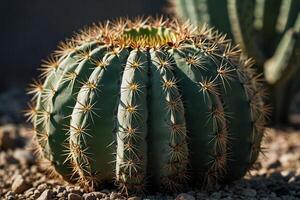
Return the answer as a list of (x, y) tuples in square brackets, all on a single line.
[(73, 196), (46, 195), (24, 157), (8, 134), (75, 191), (89, 196), (42, 187), (19, 185), (99, 194), (10, 195), (113, 195)]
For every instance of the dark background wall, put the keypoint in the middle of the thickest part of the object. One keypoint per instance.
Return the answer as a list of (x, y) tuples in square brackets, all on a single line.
[(31, 29)]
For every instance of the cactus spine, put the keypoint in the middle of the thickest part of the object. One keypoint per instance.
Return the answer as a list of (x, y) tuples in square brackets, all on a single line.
[(148, 102), (267, 30)]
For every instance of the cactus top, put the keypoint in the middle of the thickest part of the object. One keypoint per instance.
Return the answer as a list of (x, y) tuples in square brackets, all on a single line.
[(148, 102), (140, 33)]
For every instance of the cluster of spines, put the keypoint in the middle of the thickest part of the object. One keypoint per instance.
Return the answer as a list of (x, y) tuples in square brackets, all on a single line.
[(232, 66), (208, 87), (111, 34), (81, 119), (132, 116), (216, 123), (259, 112), (256, 95), (39, 114), (174, 161), (91, 98)]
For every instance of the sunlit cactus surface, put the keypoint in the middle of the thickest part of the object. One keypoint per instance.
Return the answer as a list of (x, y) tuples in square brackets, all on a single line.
[(148, 103), (267, 30)]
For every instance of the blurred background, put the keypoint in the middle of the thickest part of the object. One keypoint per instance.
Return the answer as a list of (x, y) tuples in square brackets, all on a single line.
[(30, 31)]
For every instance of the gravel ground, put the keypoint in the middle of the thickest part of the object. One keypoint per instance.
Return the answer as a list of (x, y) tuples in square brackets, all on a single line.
[(277, 174)]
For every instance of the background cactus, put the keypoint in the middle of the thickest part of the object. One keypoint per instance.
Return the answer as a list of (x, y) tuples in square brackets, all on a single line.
[(148, 102), (267, 30)]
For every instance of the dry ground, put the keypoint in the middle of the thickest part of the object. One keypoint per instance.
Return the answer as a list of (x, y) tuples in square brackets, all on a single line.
[(277, 174)]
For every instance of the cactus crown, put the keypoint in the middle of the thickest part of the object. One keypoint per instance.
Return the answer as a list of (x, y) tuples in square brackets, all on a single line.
[(150, 36), (148, 101), (141, 33)]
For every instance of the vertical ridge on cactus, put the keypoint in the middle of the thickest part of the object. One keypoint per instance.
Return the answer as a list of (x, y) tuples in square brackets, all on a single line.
[(148, 102), (267, 30)]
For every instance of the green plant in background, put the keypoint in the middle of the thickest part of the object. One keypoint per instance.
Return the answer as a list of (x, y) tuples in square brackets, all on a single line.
[(148, 103), (267, 30)]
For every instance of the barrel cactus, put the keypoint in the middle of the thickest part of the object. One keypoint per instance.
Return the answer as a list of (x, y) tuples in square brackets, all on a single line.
[(267, 30), (148, 102)]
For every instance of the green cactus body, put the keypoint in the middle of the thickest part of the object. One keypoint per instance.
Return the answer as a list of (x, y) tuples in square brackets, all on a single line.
[(266, 30), (149, 103)]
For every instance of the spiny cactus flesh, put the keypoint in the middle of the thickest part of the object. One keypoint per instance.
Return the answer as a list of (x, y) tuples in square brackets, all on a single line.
[(148, 103), (267, 30)]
